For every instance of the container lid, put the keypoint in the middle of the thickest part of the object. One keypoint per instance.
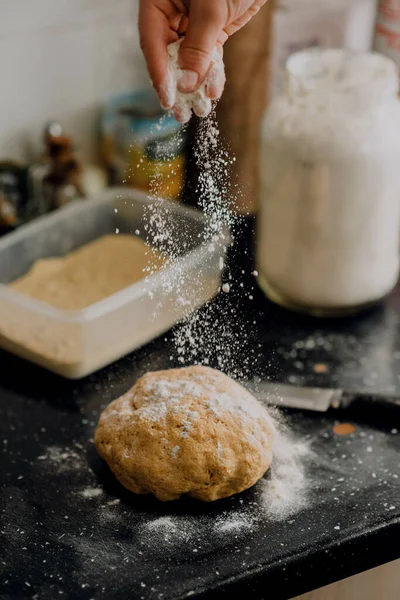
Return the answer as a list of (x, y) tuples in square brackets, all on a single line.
[(357, 79)]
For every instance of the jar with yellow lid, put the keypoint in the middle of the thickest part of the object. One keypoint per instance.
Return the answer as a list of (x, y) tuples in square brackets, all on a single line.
[(143, 146)]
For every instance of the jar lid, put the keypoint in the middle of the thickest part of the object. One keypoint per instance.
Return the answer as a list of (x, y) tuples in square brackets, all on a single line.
[(358, 78)]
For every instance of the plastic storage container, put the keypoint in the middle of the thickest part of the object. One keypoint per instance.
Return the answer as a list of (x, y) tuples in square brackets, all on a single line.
[(76, 343)]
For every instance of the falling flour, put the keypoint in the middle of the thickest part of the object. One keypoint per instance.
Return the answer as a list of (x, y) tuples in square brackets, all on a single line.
[(204, 336), (209, 335), (213, 335)]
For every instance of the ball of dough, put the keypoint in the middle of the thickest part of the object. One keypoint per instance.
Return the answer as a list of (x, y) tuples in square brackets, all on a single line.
[(191, 431)]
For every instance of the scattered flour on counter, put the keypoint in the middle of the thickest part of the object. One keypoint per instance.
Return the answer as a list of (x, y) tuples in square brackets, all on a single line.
[(91, 492), (168, 532), (178, 531), (233, 523), (114, 502), (284, 490), (212, 335), (64, 459), (282, 493), (162, 523)]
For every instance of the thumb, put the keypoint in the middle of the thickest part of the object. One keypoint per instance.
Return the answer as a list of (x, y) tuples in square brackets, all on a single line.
[(206, 22)]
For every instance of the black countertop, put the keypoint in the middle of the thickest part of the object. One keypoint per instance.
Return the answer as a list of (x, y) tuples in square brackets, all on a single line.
[(69, 530)]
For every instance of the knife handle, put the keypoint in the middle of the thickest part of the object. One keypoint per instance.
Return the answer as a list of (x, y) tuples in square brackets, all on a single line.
[(374, 401)]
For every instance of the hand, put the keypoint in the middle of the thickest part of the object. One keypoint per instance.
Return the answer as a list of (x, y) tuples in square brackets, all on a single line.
[(204, 23)]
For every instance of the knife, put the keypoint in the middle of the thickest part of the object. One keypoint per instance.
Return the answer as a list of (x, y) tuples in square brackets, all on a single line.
[(312, 398)]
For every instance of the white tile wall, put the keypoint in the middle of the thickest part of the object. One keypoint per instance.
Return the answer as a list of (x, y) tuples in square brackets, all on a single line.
[(61, 60)]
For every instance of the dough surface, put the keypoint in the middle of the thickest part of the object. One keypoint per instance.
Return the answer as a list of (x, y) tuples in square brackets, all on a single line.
[(90, 273), (191, 431)]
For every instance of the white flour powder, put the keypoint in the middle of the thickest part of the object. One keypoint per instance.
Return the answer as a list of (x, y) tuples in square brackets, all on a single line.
[(285, 491), (91, 492), (206, 336), (63, 459), (211, 335)]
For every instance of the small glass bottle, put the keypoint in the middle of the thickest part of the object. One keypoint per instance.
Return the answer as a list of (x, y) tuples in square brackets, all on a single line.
[(329, 217)]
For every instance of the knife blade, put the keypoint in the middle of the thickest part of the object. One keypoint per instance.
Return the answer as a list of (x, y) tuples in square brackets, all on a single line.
[(313, 398)]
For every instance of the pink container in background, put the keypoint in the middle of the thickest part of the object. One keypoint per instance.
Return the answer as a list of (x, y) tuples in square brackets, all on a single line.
[(387, 31)]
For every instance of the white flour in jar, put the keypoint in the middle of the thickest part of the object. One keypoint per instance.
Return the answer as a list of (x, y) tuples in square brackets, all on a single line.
[(328, 232)]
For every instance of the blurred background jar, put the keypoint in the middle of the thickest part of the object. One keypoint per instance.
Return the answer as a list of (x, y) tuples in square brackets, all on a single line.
[(302, 24), (329, 214), (142, 146)]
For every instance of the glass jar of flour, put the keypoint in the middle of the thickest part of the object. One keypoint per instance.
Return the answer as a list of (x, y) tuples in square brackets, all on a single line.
[(329, 218)]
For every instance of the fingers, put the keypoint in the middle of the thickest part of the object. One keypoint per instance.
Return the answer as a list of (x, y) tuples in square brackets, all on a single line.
[(215, 80), (204, 28), (182, 112), (199, 101), (155, 35), (198, 58), (202, 106), (233, 27)]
